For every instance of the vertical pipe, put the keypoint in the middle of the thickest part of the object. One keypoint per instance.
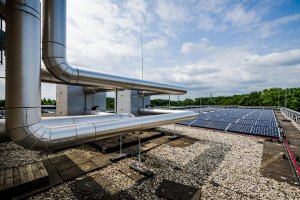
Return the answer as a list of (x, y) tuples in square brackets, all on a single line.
[(23, 56), (116, 101)]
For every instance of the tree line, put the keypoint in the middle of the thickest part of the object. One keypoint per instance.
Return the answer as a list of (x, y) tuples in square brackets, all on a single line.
[(289, 97)]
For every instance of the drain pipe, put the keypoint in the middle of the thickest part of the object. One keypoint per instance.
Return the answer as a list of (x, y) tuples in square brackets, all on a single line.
[(23, 92), (54, 57)]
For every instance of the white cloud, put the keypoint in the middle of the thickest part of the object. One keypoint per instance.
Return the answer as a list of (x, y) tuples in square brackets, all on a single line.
[(226, 71), (239, 16), (276, 59), (286, 19), (266, 29), (211, 6), (170, 11), (205, 22), (190, 47), (155, 44)]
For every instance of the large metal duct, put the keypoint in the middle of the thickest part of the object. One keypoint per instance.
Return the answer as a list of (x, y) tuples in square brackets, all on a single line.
[(54, 57), (23, 91), (70, 120), (49, 78)]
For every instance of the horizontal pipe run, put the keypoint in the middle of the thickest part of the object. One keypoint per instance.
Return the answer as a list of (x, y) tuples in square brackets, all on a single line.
[(109, 129), (70, 120), (146, 111), (54, 57), (47, 77), (147, 93), (45, 139)]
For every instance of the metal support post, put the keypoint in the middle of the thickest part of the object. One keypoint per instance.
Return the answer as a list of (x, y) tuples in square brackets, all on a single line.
[(139, 147), (121, 144)]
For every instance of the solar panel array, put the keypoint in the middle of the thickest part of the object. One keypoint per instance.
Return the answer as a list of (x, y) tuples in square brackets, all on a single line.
[(249, 121)]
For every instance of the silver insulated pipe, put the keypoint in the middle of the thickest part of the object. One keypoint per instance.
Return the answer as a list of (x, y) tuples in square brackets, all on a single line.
[(70, 120), (147, 111), (47, 77), (23, 90), (54, 57)]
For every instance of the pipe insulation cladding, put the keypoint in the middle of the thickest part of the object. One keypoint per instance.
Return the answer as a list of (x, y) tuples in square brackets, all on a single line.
[(99, 117), (54, 57), (47, 77), (23, 85)]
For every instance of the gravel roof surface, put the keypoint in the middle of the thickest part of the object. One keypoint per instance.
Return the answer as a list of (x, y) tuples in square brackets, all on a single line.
[(222, 165)]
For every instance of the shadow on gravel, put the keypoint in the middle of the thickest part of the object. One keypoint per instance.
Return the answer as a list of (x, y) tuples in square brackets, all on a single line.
[(96, 188), (166, 175), (193, 174)]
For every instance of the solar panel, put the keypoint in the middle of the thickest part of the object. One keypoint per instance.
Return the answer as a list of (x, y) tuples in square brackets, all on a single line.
[(218, 125), (201, 123), (240, 128), (249, 121)]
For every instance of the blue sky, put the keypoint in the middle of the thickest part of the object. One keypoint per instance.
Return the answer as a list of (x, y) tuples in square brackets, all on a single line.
[(223, 47)]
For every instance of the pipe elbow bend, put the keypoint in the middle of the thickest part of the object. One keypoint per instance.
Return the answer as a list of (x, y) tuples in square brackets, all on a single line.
[(60, 68), (34, 137)]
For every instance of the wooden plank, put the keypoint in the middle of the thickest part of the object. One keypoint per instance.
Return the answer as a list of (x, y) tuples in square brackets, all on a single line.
[(78, 170), (2, 179), (58, 159), (42, 169), (64, 165), (149, 146), (53, 180), (46, 163), (77, 158), (29, 173), (50, 169), (36, 171), (87, 167), (9, 178), (23, 174), (112, 144), (16, 176), (101, 161)]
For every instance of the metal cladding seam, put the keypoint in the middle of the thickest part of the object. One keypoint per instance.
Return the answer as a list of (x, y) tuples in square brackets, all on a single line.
[(54, 57), (23, 91)]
